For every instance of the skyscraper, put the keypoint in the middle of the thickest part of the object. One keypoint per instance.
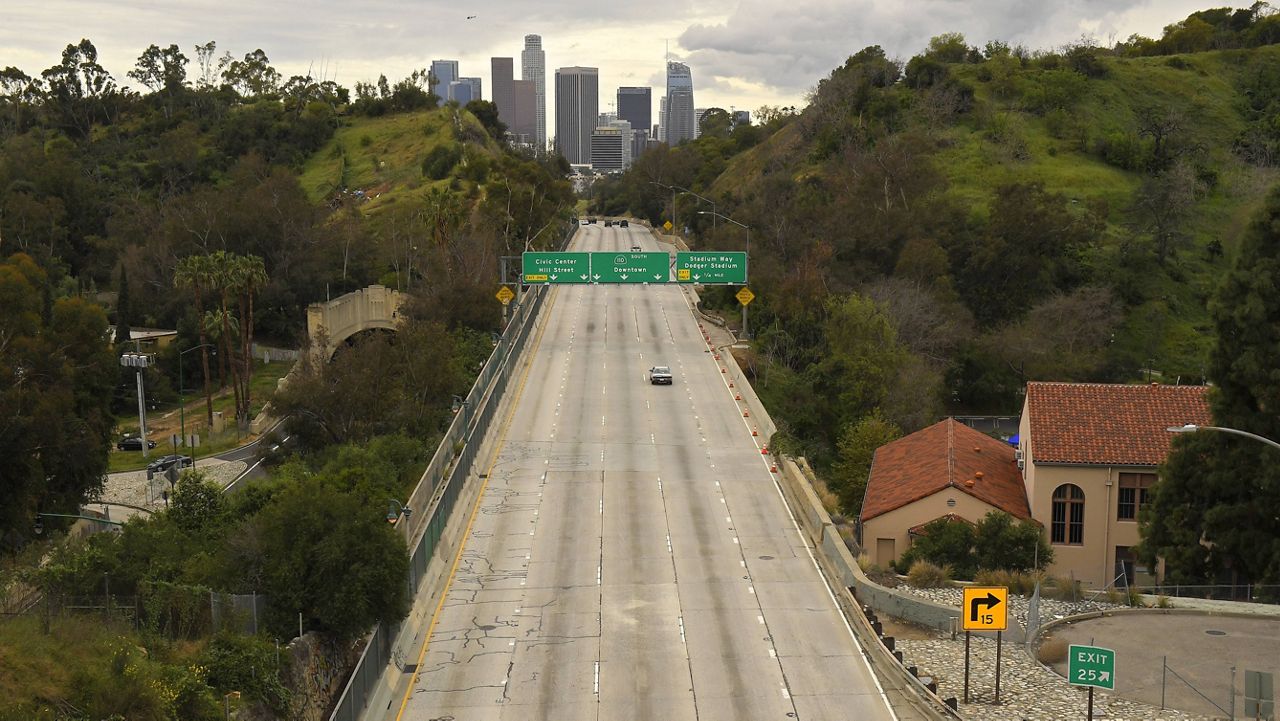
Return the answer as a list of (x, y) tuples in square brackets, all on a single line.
[(533, 66), (680, 122), (524, 112), (611, 146), (501, 76), (444, 72), (577, 108), (635, 105)]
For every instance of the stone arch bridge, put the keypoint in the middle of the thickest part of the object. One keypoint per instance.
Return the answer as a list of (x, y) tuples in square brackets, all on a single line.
[(331, 323)]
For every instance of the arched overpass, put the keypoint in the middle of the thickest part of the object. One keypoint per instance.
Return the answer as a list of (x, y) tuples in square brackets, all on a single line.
[(331, 323)]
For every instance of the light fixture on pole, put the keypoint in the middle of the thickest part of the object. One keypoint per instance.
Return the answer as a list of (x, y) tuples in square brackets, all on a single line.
[(672, 188), (1192, 428), (745, 333), (714, 214), (139, 361)]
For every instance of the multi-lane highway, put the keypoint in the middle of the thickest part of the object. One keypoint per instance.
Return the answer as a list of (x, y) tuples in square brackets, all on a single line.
[(631, 556)]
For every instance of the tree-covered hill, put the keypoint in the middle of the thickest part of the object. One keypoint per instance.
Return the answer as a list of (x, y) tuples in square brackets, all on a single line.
[(928, 235)]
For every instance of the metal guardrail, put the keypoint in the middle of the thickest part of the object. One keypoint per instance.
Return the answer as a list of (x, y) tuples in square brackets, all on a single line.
[(439, 488)]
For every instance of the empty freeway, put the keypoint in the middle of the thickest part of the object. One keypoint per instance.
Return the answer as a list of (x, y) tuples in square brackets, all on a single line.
[(631, 556)]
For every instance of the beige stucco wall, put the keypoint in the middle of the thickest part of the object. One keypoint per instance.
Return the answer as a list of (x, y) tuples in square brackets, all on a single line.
[(895, 523), (1093, 562)]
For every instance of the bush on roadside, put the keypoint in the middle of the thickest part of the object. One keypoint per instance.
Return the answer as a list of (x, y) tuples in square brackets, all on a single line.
[(1019, 582), (929, 575), (1052, 650)]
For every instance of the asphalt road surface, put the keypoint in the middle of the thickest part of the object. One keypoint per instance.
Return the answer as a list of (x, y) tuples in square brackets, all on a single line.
[(632, 557)]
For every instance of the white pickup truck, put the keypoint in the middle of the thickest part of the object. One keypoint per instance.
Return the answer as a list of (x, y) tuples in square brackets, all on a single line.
[(660, 375)]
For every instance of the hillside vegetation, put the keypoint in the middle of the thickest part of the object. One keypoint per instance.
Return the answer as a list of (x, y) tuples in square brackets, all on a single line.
[(927, 236)]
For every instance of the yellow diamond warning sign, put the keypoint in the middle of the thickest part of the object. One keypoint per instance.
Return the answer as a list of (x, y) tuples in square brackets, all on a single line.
[(504, 295), (667, 225), (745, 296)]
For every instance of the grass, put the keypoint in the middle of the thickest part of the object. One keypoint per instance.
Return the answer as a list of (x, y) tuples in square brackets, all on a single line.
[(383, 156), (1051, 651), (166, 421), (929, 575)]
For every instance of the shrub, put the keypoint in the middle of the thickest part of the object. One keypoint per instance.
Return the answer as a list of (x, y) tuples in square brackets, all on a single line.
[(1163, 602), (943, 542), (1052, 650), (929, 575), (440, 161), (247, 664), (1019, 582), (1003, 542), (1061, 588)]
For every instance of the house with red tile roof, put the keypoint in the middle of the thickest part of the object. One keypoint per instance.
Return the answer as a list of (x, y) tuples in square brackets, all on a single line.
[(945, 470), (1089, 454)]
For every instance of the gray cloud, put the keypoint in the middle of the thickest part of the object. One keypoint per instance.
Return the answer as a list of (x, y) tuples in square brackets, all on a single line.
[(789, 46), (742, 52)]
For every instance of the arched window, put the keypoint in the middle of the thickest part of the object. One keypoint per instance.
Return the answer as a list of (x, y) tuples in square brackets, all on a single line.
[(1068, 515)]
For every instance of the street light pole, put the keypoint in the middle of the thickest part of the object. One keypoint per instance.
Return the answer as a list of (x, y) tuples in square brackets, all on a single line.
[(672, 188), (714, 215), (1192, 428), (745, 332)]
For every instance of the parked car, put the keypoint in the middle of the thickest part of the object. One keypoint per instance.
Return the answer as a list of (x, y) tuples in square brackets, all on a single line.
[(164, 463), (608, 223), (635, 248), (133, 443), (623, 223), (660, 375)]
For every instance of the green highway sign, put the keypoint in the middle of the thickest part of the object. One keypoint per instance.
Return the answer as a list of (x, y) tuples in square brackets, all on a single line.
[(707, 268), (630, 267), (1092, 666), (540, 267)]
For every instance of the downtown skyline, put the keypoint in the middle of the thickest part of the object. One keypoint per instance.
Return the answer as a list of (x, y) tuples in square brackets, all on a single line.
[(743, 53)]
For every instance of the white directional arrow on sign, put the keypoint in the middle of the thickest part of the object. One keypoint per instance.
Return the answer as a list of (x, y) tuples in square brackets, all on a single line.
[(554, 277), (596, 276), (623, 276), (697, 277), (1103, 676), (583, 276), (657, 276)]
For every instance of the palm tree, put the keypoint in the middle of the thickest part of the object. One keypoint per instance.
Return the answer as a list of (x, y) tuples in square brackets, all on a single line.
[(249, 274), (195, 272), (225, 280)]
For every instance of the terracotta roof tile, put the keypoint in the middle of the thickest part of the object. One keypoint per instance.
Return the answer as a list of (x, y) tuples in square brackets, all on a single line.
[(1109, 424), (919, 529), (946, 454)]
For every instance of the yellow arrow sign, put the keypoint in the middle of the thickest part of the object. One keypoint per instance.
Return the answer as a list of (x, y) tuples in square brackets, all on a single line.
[(504, 295), (985, 608), (745, 296)]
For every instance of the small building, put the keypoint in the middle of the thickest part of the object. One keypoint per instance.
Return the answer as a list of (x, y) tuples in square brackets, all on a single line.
[(1090, 452), (147, 339), (945, 470)]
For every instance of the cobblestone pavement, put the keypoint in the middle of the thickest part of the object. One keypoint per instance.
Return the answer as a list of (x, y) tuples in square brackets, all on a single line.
[(132, 488), (1028, 690), (1050, 609)]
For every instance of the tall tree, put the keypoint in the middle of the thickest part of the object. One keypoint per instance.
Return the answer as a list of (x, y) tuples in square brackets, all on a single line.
[(56, 377), (123, 331), (195, 272), (1213, 516)]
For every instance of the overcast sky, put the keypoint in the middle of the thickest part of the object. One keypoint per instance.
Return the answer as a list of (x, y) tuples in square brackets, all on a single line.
[(743, 53)]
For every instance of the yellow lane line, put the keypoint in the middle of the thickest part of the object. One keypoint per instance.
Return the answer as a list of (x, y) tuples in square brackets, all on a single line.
[(462, 545)]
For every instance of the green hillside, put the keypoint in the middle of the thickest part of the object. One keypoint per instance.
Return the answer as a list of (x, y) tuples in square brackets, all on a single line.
[(929, 235), (383, 156)]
